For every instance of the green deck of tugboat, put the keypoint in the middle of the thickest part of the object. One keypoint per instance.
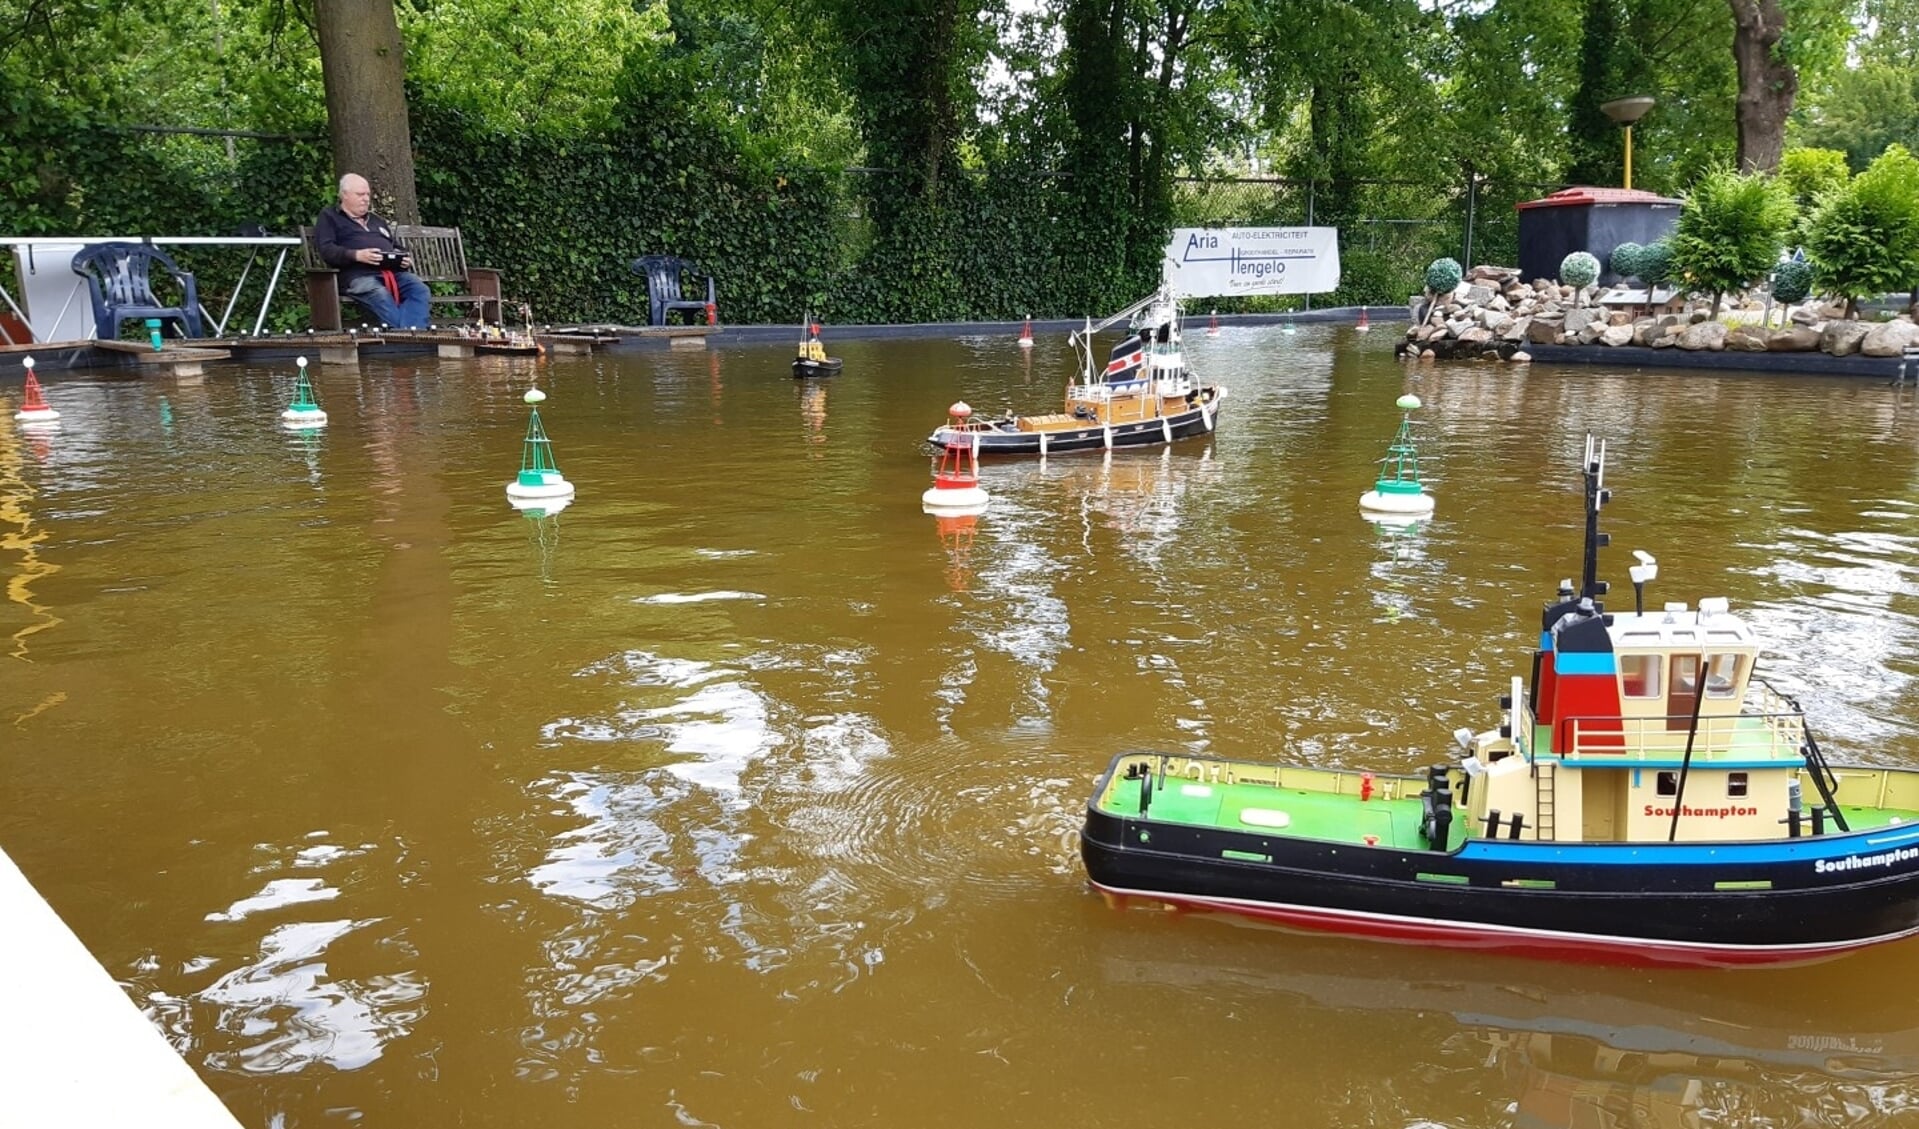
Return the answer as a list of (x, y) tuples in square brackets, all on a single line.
[(1306, 814), (1335, 817)]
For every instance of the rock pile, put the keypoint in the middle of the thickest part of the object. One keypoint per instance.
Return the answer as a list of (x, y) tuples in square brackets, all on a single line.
[(1493, 315)]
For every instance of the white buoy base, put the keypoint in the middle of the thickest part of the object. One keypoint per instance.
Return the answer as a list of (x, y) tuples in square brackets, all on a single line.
[(1396, 503), (950, 500), (952, 511), (1026, 342), (540, 507), (298, 418), (36, 415), (556, 488), (1393, 521)]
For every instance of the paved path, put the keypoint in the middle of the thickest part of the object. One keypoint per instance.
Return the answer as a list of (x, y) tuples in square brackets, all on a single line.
[(76, 1052)]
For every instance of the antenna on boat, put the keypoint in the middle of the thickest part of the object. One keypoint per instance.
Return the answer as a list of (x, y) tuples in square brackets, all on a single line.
[(1597, 495), (1645, 570)]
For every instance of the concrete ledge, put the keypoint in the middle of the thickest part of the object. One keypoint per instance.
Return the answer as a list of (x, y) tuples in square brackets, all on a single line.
[(78, 1053)]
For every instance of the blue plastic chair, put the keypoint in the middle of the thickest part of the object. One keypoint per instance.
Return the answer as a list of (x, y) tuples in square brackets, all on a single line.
[(119, 279), (662, 273)]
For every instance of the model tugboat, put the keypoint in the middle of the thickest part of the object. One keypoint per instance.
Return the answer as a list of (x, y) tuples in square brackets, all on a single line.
[(812, 360), (1143, 395), (1647, 799)]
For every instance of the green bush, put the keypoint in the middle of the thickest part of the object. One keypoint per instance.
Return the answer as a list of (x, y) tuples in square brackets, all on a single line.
[(1367, 278), (1730, 231), (1792, 282), (1443, 275), (1579, 269), (1625, 260), (1864, 237)]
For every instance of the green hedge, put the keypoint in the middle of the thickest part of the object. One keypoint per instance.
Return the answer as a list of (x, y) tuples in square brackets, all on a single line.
[(562, 216)]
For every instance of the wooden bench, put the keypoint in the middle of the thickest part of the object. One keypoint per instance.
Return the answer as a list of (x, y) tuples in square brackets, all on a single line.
[(438, 256)]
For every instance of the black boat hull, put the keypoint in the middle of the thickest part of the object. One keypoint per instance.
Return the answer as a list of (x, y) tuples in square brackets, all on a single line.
[(806, 369), (1197, 420), (1647, 913)]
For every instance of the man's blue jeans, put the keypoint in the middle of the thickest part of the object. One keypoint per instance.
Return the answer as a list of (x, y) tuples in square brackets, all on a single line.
[(408, 313)]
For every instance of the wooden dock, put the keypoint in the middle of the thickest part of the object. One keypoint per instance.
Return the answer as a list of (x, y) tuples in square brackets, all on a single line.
[(188, 359)]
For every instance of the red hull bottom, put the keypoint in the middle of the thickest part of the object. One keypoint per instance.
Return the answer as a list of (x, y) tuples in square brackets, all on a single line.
[(1540, 943)]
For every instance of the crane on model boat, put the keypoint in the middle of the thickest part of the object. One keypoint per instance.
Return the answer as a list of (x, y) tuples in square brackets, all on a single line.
[(1646, 799), (1143, 395)]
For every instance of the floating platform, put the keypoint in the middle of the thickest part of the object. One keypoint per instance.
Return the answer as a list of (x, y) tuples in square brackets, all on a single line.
[(179, 360), (78, 1052)]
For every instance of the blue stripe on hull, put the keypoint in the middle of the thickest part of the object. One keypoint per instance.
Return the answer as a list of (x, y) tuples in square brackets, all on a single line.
[(1584, 662), (1809, 849)]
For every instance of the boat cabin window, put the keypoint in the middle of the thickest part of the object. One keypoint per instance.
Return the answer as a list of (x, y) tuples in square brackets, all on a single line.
[(1639, 676), (1721, 675), (1685, 675), (1669, 783), (1735, 781)]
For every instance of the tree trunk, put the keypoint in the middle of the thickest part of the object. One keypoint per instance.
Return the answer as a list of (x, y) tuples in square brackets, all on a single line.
[(363, 65), (1767, 83)]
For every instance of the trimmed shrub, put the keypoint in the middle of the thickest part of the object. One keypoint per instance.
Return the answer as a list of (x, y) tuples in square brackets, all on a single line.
[(1655, 262), (1625, 260), (1443, 275), (1579, 269), (1792, 282)]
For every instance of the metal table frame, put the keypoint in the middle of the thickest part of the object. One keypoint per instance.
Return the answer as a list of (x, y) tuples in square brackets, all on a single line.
[(256, 243)]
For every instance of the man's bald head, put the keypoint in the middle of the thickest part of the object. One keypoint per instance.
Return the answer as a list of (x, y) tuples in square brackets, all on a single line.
[(356, 198)]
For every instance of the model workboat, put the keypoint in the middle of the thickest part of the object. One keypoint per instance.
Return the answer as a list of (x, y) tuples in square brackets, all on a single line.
[(1143, 395), (812, 360), (1646, 798)]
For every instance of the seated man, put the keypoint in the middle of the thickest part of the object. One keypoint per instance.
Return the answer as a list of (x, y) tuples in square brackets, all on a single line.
[(374, 270)]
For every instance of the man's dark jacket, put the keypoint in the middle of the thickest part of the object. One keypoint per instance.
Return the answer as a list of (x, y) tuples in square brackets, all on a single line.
[(336, 236)]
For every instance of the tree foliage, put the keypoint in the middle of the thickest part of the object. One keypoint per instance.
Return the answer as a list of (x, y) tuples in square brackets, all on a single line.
[(953, 158), (1872, 101), (1810, 173), (515, 65)]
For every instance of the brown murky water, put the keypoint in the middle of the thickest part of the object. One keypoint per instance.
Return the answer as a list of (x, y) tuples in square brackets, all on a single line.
[(741, 793)]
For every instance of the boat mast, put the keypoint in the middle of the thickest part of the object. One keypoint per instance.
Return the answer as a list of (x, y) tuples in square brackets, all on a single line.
[(1591, 587)]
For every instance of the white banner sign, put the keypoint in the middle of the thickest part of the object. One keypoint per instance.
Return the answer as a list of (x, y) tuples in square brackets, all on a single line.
[(1205, 262)]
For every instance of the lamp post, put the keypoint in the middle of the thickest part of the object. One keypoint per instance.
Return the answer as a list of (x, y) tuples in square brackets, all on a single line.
[(1625, 111)]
